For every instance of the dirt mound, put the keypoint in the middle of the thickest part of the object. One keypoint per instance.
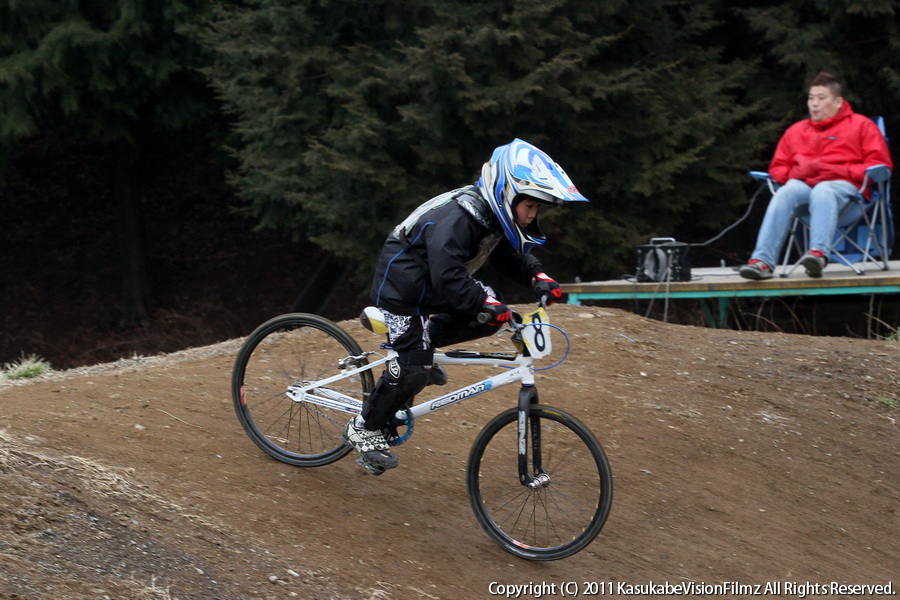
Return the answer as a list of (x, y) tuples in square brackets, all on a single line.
[(739, 459)]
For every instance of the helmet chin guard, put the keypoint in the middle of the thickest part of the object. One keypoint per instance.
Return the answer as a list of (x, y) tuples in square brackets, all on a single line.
[(520, 169)]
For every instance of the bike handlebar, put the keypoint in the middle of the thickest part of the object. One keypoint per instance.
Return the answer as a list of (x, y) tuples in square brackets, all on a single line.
[(516, 319)]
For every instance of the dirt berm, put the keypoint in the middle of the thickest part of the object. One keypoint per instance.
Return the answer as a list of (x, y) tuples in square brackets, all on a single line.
[(739, 459)]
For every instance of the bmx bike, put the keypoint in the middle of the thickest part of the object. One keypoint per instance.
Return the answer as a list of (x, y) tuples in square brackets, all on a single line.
[(538, 480)]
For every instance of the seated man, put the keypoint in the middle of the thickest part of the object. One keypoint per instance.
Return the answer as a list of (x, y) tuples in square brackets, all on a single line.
[(821, 162)]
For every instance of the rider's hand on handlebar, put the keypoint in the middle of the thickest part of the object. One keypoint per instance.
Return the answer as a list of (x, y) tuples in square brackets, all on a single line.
[(546, 289), (495, 311)]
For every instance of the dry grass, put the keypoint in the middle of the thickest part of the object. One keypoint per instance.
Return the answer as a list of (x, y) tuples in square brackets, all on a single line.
[(26, 368)]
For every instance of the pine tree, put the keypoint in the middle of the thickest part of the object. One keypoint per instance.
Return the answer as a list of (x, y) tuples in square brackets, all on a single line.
[(626, 96), (113, 72), (348, 121), (855, 40)]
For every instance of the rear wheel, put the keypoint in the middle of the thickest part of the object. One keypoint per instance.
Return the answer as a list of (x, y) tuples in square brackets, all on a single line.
[(569, 500), (293, 349)]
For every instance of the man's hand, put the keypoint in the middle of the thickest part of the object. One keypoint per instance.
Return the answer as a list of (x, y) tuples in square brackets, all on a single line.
[(813, 168), (546, 288), (497, 311), (834, 172), (806, 168)]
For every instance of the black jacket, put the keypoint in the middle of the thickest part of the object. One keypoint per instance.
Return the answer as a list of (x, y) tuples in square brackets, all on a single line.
[(427, 262)]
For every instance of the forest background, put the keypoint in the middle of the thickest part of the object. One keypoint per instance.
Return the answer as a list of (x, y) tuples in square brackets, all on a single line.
[(176, 171)]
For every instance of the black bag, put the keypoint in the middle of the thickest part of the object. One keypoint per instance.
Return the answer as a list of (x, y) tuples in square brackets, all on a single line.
[(663, 259)]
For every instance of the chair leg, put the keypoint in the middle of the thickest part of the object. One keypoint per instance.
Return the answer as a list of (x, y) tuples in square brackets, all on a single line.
[(794, 244), (875, 250)]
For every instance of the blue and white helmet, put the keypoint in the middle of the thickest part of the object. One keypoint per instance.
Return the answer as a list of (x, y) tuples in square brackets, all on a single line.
[(520, 169)]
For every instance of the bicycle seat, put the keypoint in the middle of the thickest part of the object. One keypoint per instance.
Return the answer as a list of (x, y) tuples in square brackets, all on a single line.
[(373, 319)]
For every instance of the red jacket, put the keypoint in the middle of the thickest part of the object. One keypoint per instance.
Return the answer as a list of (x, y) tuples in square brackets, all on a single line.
[(841, 147)]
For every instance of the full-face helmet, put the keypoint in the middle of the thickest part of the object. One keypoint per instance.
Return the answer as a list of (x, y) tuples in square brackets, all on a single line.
[(519, 170)]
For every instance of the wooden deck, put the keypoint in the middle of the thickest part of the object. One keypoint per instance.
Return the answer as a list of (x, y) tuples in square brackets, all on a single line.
[(724, 283)]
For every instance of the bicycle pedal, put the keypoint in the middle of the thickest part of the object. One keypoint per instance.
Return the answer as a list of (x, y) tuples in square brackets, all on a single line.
[(373, 469)]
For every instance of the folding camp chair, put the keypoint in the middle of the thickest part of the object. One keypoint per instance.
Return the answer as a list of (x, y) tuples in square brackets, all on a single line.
[(865, 232)]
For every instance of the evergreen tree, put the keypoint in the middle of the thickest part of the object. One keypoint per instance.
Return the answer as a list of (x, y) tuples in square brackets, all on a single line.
[(625, 95), (312, 104), (857, 40), (348, 121), (115, 72)]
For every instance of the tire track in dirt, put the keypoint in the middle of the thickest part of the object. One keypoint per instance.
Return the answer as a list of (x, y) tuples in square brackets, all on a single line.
[(736, 456)]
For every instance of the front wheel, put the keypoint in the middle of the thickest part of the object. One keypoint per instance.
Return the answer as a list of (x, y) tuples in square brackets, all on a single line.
[(570, 494), (284, 351)]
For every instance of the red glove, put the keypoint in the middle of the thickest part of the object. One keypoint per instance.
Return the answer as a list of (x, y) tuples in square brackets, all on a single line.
[(497, 311), (546, 288)]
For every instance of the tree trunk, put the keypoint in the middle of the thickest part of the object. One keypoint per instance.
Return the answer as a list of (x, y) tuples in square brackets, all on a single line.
[(318, 291), (135, 282)]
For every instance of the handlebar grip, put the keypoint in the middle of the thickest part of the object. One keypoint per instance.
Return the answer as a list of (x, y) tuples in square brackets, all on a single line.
[(480, 319), (485, 317)]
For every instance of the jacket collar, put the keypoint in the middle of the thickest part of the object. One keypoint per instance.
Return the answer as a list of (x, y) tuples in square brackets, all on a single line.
[(471, 200), (844, 112)]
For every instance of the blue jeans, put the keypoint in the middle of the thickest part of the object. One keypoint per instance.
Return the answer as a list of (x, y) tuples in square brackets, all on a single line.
[(824, 206)]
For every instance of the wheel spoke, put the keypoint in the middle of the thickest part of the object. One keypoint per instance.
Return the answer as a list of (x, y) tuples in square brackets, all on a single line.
[(279, 354), (571, 496)]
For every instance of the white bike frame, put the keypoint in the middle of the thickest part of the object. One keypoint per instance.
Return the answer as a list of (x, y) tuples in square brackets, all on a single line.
[(535, 336), (520, 369)]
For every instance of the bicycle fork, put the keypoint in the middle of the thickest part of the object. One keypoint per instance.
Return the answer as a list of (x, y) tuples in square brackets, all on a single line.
[(527, 396)]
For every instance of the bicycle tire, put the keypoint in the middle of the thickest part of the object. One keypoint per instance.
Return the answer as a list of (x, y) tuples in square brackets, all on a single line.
[(284, 350), (551, 522)]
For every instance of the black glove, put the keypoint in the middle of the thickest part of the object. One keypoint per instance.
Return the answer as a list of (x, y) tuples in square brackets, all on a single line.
[(546, 288), (494, 312)]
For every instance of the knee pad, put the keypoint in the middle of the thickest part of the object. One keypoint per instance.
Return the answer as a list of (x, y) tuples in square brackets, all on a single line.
[(397, 387)]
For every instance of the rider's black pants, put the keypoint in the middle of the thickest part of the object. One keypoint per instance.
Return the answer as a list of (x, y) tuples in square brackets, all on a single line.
[(408, 374)]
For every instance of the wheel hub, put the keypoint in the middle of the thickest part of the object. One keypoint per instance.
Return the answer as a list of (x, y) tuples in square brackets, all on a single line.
[(539, 482)]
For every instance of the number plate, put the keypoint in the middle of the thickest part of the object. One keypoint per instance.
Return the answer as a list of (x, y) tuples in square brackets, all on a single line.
[(536, 334)]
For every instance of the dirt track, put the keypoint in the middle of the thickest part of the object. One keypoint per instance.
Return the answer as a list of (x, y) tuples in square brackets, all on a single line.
[(737, 457)]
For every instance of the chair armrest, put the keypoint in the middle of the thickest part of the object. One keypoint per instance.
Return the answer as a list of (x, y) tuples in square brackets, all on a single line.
[(765, 178), (878, 173)]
